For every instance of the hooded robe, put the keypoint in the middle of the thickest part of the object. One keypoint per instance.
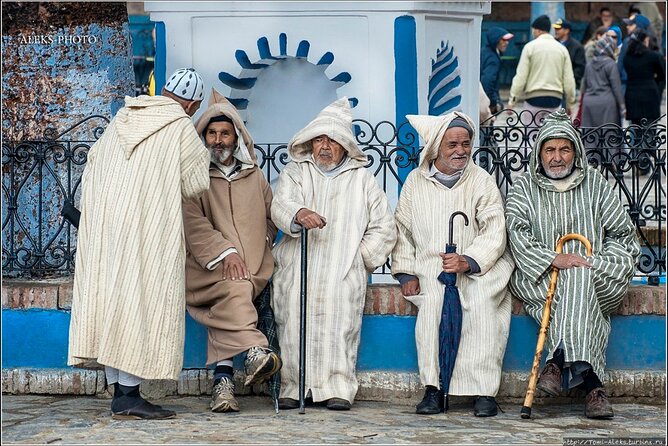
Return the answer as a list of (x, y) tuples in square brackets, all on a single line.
[(358, 237), (422, 215), (129, 281), (538, 214), (233, 214)]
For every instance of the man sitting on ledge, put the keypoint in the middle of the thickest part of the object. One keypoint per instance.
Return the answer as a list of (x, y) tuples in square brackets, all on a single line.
[(562, 194)]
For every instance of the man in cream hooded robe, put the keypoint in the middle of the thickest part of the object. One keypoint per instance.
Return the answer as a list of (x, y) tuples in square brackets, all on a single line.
[(229, 235), (428, 198), (129, 282), (354, 235)]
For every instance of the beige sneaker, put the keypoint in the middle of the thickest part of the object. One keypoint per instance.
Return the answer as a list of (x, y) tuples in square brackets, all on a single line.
[(260, 365), (222, 397)]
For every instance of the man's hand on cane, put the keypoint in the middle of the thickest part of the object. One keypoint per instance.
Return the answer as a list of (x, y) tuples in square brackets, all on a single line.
[(567, 261), (309, 219)]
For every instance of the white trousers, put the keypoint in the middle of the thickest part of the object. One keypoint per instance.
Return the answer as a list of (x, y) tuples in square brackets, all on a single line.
[(121, 377)]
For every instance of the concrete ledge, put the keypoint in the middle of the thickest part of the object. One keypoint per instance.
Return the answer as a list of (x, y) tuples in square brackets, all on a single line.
[(380, 298), (625, 385)]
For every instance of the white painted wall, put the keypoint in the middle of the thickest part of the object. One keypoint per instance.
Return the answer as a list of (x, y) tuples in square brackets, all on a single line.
[(205, 35)]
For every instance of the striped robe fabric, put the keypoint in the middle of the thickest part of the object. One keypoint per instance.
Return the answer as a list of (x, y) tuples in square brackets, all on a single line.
[(537, 216), (422, 215), (128, 300), (359, 236)]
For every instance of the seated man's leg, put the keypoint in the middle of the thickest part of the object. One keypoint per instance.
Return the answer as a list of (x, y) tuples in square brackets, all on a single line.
[(426, 339), (582, 317), (231, 320)]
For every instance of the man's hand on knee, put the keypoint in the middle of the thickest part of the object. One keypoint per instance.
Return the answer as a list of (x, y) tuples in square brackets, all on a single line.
[(567, 261), (411, 288), (234, 268)]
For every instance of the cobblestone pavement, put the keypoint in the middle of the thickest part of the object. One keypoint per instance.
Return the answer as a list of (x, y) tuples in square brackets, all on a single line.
[(35, 419)]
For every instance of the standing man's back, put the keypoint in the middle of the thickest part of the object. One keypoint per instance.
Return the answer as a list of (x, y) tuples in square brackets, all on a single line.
[(128, 302), (544, 73)]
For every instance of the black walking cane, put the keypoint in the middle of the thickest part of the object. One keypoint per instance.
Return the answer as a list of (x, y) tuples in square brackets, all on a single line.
[(302, 323)]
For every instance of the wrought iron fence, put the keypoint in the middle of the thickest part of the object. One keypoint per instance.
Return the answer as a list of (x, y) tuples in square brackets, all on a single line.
[(39, 176)]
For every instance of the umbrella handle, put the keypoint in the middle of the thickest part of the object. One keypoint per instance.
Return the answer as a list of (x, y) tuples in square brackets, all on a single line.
[(545, 323), (452, 217), (302, 320)]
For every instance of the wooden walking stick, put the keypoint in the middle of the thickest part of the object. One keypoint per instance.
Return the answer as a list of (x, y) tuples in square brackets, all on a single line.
[(302, 323), (545, 322)]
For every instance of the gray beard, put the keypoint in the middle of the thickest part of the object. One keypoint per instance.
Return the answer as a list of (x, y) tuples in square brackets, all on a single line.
[(326, 167), (219, 158)]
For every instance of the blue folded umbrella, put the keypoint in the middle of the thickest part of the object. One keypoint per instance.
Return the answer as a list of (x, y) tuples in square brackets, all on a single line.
[(450, 327)]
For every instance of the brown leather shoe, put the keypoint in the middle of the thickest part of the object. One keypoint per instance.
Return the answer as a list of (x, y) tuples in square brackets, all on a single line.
[(597, 404), (550, 380)]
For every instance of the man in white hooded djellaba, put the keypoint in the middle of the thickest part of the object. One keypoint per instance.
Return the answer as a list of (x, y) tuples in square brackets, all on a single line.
[(328, 190), (447, 181), (128, 298)]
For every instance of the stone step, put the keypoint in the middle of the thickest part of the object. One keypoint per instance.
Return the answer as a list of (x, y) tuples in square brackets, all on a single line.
[(626, 385), (385, 299)]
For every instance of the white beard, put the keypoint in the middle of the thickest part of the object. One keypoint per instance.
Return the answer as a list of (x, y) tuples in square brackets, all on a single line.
[(559, 175)]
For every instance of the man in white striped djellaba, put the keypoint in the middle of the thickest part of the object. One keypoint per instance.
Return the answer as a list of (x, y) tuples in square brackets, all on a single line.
[(328, 190), (129, 281), (447, 181), (562, 194)]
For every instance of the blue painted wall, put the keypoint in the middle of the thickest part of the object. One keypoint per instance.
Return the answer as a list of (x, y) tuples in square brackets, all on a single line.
[(636, 342), (405, 79)]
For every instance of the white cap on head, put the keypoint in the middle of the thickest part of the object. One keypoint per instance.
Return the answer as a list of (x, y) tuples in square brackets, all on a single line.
[(187, 84)]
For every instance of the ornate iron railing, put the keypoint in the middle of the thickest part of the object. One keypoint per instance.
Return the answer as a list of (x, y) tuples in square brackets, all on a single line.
[(39, 176)]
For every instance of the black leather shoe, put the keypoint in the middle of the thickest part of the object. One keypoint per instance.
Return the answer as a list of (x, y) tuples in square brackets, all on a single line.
[(144, 411), (338, 404), (128, 404), (287, 403), (432, 402), (485, 406)]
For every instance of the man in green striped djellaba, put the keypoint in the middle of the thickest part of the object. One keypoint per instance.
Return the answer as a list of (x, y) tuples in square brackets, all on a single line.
[(561, 194)]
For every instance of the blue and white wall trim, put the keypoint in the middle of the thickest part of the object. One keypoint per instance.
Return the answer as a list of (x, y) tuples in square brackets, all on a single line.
[(384, 49)]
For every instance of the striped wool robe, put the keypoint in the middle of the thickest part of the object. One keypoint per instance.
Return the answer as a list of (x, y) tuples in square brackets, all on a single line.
[(422, 214), (359, 236), (129, 293), (537, 216)]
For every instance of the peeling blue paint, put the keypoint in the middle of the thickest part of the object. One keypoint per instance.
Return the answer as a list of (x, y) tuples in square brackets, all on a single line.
[(388, 342), (57, 84)]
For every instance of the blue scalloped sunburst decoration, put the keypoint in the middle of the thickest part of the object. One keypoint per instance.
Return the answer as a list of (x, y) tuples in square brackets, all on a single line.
[(444, 81), (241, 86)]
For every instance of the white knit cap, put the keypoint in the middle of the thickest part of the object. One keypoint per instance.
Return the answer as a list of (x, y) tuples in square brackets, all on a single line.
[(187, 84)]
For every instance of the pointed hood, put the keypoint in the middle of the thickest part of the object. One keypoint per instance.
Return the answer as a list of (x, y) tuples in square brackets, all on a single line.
[(219, 105), (335, 121), (432, 129), (557, 125), (142, 117)]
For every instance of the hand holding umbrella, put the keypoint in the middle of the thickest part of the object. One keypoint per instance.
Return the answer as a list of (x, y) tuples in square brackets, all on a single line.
[(450, 328)]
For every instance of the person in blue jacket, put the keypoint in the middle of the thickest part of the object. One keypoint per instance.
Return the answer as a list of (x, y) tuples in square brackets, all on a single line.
[(490, 64)]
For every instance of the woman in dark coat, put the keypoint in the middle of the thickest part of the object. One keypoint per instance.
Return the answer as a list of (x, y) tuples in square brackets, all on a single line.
[(603, 102), (646, 73), (645, 79)]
